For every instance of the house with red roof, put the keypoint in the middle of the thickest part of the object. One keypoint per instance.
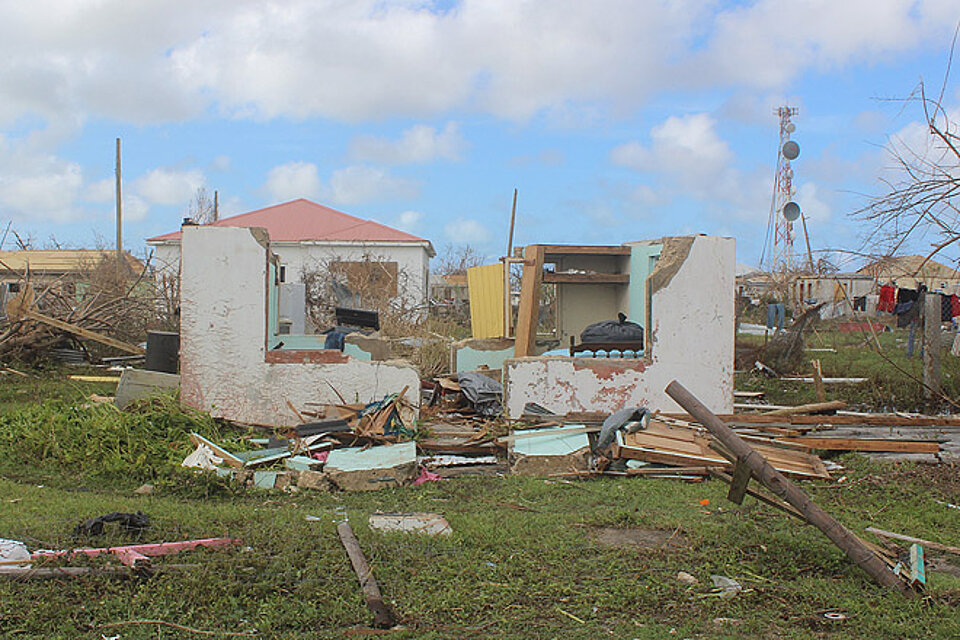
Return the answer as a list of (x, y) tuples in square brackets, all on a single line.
[(308, 238)]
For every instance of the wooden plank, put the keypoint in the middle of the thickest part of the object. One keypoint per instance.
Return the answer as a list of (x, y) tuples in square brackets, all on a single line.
[(926, 543), (786, 490), (485, 286), (528, 312), (553, 250), (84, 333), (739, 483), (879, 420), (762, 497), (853, 444), (382, 616), (687, 449), (228, 457), (586, 278), (95, 378), (833, 405)]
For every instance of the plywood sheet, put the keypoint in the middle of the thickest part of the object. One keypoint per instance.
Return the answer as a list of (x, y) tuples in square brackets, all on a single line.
[(667, 444), (486, 300)]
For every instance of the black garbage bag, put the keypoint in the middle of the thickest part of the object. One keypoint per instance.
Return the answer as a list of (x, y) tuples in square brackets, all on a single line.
[(482, 392), (620, 330)]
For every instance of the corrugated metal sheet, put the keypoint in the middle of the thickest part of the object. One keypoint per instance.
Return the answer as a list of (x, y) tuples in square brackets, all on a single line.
[(302, 221), (486, 300)]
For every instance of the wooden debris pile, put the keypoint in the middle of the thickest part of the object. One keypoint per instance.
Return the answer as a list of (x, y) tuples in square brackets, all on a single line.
[(102, 314)]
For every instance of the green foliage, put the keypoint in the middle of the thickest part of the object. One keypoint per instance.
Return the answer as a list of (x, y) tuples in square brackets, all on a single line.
[(98, 441)]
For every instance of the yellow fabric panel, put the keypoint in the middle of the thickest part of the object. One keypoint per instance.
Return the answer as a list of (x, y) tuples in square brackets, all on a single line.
[(486, 300)]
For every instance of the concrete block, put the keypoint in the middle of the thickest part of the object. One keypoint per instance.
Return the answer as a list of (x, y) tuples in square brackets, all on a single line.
[(549, 452), (264, 479), (301, 463), (313, 480), (356, 469), (140, 383)]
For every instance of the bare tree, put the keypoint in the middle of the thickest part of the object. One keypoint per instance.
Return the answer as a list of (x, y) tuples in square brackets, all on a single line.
[(456, 259), (201, 208), (922, 202)]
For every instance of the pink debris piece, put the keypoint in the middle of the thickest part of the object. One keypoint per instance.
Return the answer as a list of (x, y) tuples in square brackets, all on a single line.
[(426, 476)]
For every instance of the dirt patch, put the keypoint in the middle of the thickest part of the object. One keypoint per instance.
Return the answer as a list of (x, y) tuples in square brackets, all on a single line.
[(944, 477), (632, 538), (943, 565)]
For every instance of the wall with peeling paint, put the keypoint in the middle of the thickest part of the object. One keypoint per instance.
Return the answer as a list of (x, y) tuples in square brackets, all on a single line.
[(691, 339), (225, 367)]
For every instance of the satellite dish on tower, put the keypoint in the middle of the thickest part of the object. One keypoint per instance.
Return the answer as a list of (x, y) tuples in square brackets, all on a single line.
[(790, 150), (791, 211)]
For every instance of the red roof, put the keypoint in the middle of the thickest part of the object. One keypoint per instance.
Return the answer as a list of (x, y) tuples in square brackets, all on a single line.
[(302, 220)]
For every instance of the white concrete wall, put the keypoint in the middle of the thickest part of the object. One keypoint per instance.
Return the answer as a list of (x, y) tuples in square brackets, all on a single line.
[(412, 261), (223, 359), (692, 341)]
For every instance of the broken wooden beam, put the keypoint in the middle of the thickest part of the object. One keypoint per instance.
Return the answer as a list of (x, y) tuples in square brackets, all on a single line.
[(382, 616), (80, 332), (832, 405), (786, 490), (861, 444), (921, 541)]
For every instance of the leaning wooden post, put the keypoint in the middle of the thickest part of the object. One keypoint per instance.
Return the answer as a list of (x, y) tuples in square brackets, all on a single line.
[(783, 488), (931, 348), (382, 617)]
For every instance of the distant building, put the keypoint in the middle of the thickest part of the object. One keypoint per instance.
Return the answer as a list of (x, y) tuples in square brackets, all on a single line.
[(307, 236), (833, 287), (751, 282), (910, 271), (68, 271)]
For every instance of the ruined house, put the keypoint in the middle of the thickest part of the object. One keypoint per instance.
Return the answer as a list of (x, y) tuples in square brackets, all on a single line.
[(309, 237)]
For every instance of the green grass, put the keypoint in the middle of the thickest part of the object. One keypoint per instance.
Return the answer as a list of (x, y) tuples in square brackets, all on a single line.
[(894, 379), (522, 561)]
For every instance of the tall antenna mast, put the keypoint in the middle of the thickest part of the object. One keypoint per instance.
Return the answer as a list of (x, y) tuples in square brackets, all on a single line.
[(783, 210)]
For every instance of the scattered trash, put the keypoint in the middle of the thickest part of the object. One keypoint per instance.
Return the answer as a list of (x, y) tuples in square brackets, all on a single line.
[(686, 578), (133, 523), (426, 476), (14, 554), (728, 587), (202, 457), (144, 490), (430, 524)]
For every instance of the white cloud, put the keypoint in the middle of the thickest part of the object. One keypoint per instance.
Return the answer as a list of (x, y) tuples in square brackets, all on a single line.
[(687, 148), (409, 220), (294, 180), (135, 208), (813, 204), (221, 163), (101, 191), (417, 145), (145, 62), (38, 186), (361, 183), (766, 43), (168, 186), (466, 231)]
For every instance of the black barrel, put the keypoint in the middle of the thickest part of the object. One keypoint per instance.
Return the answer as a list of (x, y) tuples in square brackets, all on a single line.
[(163, 351)]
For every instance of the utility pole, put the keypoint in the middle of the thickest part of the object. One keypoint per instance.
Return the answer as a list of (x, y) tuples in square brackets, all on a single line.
[(119, 218), (216, 205)]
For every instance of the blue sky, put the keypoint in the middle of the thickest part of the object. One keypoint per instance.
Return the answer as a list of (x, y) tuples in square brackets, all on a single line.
[(616, 120)]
